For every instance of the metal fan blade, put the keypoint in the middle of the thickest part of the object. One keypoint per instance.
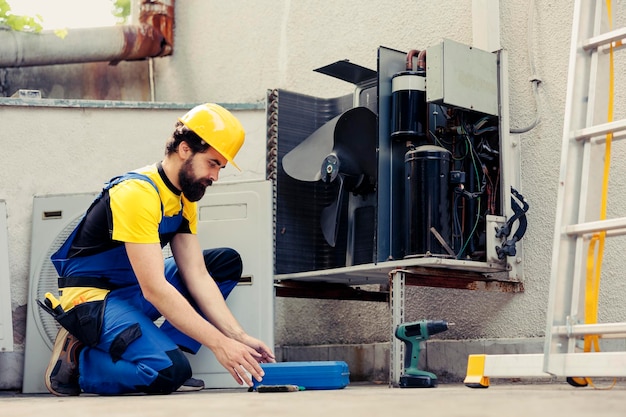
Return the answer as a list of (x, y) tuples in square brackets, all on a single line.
[(355, 136), (331, 215), (303, 162)]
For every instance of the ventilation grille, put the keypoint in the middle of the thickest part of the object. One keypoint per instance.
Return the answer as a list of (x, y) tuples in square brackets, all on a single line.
[(47, 282), (299, 243)]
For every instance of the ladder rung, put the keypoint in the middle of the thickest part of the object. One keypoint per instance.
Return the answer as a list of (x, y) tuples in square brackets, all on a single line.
[(603, 129), (617, 226), (589, 329), (602, 139), (604, 39)]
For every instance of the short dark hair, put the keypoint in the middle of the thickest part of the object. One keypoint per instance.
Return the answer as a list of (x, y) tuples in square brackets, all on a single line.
[(183, 133)]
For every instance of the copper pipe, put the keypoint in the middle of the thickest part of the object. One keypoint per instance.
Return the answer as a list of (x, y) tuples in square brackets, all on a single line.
[(421, 60), (409, 58)]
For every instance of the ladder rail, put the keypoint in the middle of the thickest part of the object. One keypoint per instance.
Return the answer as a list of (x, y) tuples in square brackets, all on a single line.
[(568, 159), (566, 302)]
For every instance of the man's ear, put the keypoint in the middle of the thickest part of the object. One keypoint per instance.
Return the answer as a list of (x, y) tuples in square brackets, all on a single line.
[(184, 149)]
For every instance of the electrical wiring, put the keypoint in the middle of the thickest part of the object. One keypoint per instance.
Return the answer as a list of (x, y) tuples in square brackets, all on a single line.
[(468, 150), (485, 130), (437, 140), (533, 74), (476, 162), (468, 138), (469, 238), (457, 234), (528, 128)]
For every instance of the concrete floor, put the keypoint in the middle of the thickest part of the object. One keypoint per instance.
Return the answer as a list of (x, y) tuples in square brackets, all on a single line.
[(511, 400)]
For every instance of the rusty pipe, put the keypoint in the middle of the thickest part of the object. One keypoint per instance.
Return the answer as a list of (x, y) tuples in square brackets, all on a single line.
[(152, 37), (159, 14)]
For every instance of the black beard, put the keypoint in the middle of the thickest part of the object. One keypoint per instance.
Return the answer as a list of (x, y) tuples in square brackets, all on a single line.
[(192, 189)]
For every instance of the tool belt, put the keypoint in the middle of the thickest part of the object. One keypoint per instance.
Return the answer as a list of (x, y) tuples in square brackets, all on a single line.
[(84, 321), (84, 318), (91, 282)]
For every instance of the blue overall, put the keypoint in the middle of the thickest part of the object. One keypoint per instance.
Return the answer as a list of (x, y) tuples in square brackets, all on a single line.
[(132, 354)]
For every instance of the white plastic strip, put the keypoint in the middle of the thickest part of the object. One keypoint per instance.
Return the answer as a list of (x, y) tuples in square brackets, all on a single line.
[(486, 25), (6, 319)]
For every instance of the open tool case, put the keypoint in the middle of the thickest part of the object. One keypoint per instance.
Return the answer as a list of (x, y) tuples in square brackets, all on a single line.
[(315, 375)]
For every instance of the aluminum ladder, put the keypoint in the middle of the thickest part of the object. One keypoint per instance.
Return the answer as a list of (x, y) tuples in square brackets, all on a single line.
[(580, 221)]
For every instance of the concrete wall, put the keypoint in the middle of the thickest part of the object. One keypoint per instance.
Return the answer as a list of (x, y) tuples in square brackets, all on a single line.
[(232, 52)]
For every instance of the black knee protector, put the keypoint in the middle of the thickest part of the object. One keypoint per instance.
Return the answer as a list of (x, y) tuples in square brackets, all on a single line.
[(169, 379), (224, 264)]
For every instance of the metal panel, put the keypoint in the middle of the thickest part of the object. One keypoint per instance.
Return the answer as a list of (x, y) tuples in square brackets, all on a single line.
[(510, 163), (54, 217), (239, 215), (462, 76), (389, 240)]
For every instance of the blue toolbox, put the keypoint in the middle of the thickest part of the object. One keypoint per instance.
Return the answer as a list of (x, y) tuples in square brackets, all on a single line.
[(312, 375)]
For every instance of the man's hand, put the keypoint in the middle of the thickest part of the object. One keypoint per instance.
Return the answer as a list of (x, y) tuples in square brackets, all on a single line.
[(240, 360), (239, 353), (261, 348)]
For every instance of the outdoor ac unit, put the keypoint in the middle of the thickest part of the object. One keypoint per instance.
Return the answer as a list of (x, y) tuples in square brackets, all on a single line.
[(416, 165)]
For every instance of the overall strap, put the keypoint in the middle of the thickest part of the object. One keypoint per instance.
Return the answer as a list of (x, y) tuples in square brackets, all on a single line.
[(130, 176)]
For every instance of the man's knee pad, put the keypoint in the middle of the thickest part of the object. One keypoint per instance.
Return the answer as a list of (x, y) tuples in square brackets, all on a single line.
[(169, 379), (224, 264)]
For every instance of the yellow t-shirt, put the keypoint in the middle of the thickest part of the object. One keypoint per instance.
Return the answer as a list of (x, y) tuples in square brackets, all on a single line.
[(136, 208)]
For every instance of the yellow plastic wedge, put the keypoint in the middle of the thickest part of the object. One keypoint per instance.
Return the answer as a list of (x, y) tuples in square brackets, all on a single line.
[(475, 377)]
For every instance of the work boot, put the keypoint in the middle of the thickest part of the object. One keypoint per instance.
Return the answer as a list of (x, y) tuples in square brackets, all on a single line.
[(192, 384), (62, 373)]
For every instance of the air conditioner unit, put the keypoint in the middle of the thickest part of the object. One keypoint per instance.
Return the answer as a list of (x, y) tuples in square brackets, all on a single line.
[(415, 166)]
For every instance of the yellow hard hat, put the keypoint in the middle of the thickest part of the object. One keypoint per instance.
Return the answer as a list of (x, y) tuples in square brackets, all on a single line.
[(217, 127)]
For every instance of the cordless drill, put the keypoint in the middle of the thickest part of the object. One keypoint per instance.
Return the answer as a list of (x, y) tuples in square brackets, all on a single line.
[(412, 334)]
